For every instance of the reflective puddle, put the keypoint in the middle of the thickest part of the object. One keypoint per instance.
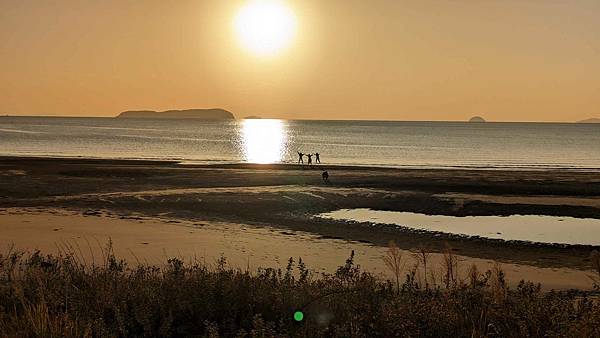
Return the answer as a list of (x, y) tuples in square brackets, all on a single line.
[(533, 228)]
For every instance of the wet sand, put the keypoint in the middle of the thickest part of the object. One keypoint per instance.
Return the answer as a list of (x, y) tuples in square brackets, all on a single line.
[(286, 198), (153, 241)]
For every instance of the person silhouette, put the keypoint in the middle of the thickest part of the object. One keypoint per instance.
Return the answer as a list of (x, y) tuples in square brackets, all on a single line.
[(300, 157), (317, 158), (325, 176), (309, 158)]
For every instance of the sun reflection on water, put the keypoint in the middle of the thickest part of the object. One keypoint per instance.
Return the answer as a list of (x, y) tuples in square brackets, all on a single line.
[(263, 140)]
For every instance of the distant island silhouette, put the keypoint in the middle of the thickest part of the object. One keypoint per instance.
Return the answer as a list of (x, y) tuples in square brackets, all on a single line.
[(477, 119), (592, 120), (200, 114), (252, 117)]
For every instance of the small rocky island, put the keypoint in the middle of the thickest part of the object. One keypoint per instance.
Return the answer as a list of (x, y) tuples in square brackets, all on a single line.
[(477, 119), (592, 120), (200, 114)]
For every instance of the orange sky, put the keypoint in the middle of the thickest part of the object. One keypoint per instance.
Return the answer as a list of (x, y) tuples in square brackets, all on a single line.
[(508, 60)]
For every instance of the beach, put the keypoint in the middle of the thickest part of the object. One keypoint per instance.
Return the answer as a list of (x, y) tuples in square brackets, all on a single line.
[(260, 215), (300, 169)]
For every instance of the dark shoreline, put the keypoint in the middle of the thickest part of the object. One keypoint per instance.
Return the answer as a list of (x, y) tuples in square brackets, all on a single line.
[(223, 164), (287, 196)]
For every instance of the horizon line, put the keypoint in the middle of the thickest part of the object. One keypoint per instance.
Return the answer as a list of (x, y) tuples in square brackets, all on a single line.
[(303, 119)]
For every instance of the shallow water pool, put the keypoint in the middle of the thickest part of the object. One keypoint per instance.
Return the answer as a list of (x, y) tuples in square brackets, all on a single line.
[(533, 228)]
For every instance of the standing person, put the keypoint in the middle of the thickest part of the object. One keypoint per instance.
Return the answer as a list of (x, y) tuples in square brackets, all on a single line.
[(300, 157), (317, 159), (309, 158), (325, 176)]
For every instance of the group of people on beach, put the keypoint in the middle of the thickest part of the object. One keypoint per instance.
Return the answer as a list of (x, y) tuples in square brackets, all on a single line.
[(325, 174), (309, 156)]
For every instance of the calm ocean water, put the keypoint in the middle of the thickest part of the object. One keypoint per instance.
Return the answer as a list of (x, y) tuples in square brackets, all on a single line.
[(379, 143)]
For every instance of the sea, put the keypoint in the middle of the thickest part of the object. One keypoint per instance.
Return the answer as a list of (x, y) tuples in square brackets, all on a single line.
[(536, 146)]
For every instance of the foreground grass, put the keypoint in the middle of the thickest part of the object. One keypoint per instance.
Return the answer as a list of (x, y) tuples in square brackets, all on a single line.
[(62, 296)]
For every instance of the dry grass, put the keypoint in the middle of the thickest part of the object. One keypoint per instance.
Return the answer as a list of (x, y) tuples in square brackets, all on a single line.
[(64, 296)]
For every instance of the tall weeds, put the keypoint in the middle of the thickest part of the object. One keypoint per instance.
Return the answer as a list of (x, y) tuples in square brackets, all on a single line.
[(595, 259), (450, 268), (64, 296), (393, 260)]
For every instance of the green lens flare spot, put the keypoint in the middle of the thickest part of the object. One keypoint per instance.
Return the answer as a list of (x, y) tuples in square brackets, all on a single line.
[(298, 316)]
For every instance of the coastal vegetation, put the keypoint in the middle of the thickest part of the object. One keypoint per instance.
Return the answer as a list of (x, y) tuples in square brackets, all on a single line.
[(63, 295)]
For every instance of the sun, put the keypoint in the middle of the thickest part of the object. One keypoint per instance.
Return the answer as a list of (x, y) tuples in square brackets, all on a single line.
[(265, 27)]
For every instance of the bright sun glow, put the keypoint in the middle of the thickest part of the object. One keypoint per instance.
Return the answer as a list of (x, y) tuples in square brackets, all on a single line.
[(265, 27)]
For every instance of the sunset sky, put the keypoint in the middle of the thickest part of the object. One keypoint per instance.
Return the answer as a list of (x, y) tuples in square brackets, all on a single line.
[(507, 60)]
